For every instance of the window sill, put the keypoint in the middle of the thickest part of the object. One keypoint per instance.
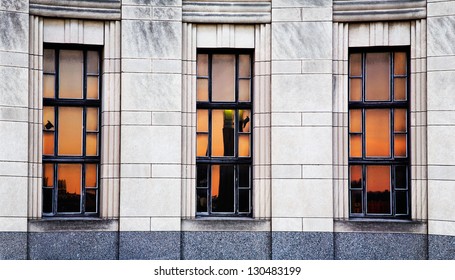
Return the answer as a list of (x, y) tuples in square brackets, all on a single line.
[(380, 226), (60, 224), (225, 224)]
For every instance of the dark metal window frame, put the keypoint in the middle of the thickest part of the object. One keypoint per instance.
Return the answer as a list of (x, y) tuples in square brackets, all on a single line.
[(83, 103), (236, 105), (391, 161)]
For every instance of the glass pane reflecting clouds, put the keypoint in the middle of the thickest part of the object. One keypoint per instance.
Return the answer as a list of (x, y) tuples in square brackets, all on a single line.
[(355, 145), (70, 131), (91, 171), (244, 90), (355, 121), (244, 66), (48, 61), (202, 89), (355, 92), (48, 86), (202, 121), (92, 62), (400, 63), (92, 119), (377, 77), (92, 87), (399, 89), (71, 63), (202, 65), (91, 144), (223, 77), (202, 144), (355, 63), (377, 123)]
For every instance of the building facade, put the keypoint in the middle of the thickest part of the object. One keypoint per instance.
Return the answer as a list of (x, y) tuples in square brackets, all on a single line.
[(244, 129)]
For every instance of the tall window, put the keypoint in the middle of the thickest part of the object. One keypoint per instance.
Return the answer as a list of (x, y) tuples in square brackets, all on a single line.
[(224, 125), (379, 133), (71, 131)]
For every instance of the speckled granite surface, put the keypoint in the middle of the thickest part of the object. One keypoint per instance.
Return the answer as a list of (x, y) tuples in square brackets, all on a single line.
[(162, 245)]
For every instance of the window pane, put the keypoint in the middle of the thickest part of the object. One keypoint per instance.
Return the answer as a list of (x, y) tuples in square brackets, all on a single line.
[(202, 89), (92, 87), (69, 187), (355, 145), (401, 202), (91, 177), (48, 118), (202, 65), (400, 145), (355, 92), (244, 66), (223, 133), (48, 61), (201, 181), (223, 77), (48, 86), (400, 124), (91, 144), (244, 120), (378, 189), (377, 123), (400, 177), (92, 119), (244, 201), (223, 188), (355, 64), (48, 143), (356, 202), (244, 145), (71, 74), (356, 176), (377, 77), (48, 175), (47, 200), (400, 63), (244, 90), (70, 131), (90, 200), (244, 176), (92, 62), (202, 144), (399, 89), (201, 200), (202, 121), (355, 121)]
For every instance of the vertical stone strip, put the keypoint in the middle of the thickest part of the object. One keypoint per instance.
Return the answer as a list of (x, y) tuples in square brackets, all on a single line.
[(14, 127)]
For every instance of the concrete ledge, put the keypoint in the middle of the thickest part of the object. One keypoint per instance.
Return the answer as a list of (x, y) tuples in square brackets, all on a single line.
[(226, 224), (85, 9), (381, 226), (69, 225), (367, 10), (226, 12)]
